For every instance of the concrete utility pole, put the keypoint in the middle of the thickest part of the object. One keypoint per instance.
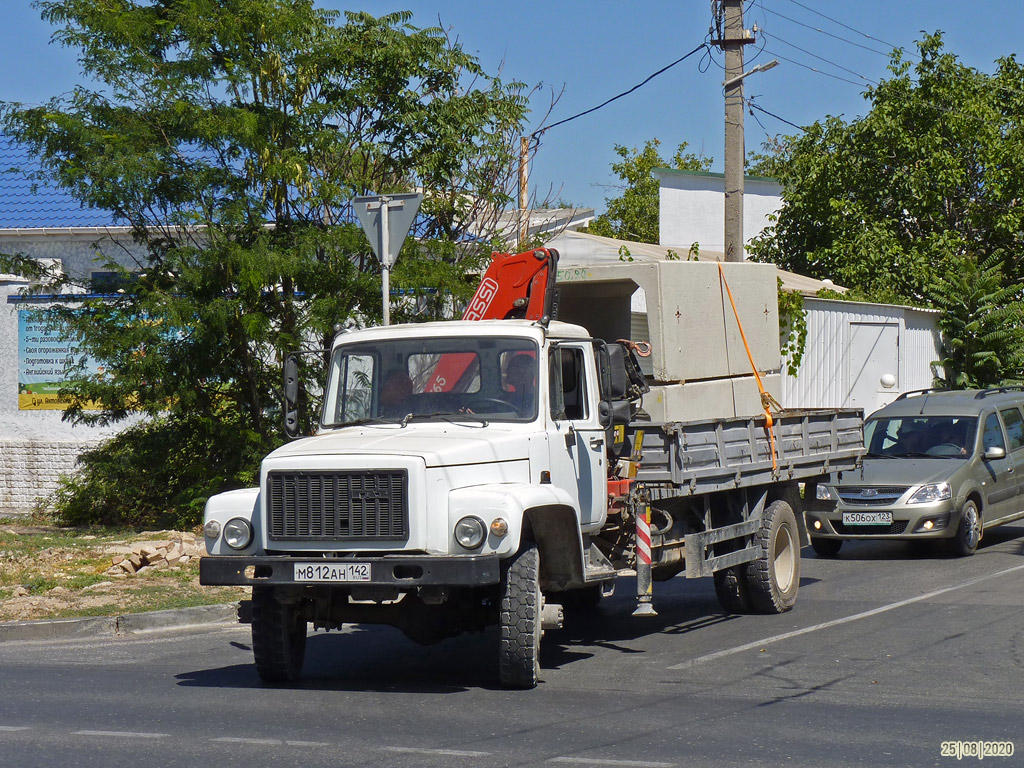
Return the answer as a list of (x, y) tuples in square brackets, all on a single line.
[(732, 39)]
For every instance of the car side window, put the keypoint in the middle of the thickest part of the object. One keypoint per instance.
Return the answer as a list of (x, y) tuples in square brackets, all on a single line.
[(1014, 427), (993, 435), (568, 385)]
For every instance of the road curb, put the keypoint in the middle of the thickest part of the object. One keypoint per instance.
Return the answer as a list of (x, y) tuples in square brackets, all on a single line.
[(124, 624)]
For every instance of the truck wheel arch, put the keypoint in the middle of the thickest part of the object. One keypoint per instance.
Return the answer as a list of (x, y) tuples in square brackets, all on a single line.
[(556, 532)]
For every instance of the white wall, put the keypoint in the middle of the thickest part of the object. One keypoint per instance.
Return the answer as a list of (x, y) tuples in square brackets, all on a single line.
[(850, 345), (36, 446), (693, 208)]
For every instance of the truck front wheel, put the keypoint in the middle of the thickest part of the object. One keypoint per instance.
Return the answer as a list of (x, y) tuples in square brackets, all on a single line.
[(731, 589), (520, 620), (278, 637), (773, 578)]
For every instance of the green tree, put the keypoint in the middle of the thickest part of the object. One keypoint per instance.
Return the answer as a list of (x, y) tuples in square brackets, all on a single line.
[(231, 137), (982, 323), (929, 179), (633, 215)]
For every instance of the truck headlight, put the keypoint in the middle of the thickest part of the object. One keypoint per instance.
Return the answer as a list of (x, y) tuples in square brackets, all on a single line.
[(237, 533), (212, 529), (931, 492), (470, 532), (823, 493)]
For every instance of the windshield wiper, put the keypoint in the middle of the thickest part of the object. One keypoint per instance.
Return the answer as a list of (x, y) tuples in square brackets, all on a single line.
[(365, 421), (449, 416)]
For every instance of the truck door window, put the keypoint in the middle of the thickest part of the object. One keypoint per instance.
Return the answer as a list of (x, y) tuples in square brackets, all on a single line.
[(993, 435), (1014, 427), (568, 384), (353, 378)]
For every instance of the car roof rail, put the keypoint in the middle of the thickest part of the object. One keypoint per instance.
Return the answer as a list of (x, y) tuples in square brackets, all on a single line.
[(999, 390), (904, 395)]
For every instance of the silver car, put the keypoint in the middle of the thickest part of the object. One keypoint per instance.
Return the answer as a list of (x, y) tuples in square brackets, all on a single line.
[(939, 464)]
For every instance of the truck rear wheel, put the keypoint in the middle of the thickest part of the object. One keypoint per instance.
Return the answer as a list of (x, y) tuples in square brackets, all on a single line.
[(773, 577), (731, 589), (520, 620), (278, 637)]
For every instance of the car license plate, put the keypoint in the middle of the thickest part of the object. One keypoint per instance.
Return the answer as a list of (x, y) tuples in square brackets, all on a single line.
[(340, 572), (867, 518)]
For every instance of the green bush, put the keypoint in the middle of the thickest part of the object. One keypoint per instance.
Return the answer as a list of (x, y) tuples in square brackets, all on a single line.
[(159, 474)]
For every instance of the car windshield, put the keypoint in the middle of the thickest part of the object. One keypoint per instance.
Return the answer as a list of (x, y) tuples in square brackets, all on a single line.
[(921, 436), (402, 381)]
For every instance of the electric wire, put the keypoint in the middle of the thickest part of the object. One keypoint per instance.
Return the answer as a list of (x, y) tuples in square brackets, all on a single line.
[(852, 29), (822, 58), (536, 134), (887, 54)]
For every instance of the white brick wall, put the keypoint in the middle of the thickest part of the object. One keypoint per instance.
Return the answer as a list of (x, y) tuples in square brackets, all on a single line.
[(30, 469)]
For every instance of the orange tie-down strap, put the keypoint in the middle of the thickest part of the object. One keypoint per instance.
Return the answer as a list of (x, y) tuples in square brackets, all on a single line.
[(767, 401)]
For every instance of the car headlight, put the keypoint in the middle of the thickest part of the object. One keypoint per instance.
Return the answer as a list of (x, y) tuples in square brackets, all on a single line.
[(470, 532), (824, 493), (237, 533), (926, 494)]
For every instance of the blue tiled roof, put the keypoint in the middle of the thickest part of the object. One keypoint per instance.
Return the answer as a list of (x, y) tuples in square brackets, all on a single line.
[(25, 203)]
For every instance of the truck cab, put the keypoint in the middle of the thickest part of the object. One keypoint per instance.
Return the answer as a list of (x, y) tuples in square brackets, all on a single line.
[(421, 488)]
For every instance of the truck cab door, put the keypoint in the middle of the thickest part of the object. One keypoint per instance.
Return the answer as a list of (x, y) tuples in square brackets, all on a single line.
[(576, 441)]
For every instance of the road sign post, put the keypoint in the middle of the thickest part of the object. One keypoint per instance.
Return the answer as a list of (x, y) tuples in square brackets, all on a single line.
[(386, 220)]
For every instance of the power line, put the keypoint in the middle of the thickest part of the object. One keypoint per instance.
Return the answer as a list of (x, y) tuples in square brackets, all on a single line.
[(759, 108), (829, 34), (646, 80), (852, 29), (827, 61), (812, 69)]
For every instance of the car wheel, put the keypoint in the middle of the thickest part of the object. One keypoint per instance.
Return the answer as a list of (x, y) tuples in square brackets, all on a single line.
[(968, 533), (826, 547)]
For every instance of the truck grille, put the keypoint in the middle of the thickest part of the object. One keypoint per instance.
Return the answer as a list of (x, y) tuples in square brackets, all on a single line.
[(337, 506)]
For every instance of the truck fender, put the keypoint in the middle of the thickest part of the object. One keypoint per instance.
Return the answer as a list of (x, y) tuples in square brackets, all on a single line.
[(543, 514), (243, 503)]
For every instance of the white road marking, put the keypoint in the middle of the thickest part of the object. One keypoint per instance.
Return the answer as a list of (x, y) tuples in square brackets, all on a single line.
[(448, 752), (121, 734), (625, 763), (12, 728), (836, 622), (307, 744), (240, 740)]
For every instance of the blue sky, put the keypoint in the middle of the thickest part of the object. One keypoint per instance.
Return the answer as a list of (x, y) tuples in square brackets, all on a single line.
[(597, 49)]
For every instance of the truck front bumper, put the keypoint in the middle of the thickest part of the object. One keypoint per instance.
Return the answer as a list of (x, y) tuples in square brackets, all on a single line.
[(402, 571)]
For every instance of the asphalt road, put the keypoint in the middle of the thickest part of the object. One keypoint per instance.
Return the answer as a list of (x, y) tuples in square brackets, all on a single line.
[(890, 652)]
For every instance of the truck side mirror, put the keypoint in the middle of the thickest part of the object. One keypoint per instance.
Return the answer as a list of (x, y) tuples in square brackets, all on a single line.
[(604, 413), (994, 452), (291, 396)]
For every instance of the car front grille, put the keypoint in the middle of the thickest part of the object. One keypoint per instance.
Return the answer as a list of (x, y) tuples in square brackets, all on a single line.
[(893, 529), (870, 495), (338, 506)]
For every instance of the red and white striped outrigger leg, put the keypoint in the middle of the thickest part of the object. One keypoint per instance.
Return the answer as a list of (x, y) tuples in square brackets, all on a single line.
[(644, 583)]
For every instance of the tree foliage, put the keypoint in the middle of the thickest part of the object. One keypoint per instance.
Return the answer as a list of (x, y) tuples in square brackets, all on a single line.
[(981, 324), (633, 215), (231, 136), (929, 180)]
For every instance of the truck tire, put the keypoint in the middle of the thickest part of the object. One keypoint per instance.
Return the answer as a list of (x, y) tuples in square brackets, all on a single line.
[(968, 532), (731, 589), (773, 577), (520, 620), (278, 637), (826, 547)]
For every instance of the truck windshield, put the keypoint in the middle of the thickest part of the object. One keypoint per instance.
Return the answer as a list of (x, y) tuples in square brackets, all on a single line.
[(486, 378), (921, 436)]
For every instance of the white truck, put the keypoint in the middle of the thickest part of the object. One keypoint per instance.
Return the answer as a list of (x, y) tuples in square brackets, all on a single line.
[(466, 474)]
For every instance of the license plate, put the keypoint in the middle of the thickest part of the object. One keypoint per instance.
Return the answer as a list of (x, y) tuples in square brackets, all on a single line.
[(339, 572), (867, 518)]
